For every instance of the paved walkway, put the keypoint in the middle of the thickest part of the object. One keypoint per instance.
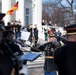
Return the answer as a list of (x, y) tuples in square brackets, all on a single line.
[(36, 71), (41, 41)]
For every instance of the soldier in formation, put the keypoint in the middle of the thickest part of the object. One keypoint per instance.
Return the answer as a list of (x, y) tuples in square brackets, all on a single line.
[(8, 51), (65, 56)]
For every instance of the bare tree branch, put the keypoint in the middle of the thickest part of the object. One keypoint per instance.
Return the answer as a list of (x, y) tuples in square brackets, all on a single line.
[(70, 3)]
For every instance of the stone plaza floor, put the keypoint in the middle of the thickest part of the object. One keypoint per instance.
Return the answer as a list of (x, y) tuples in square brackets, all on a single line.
[(36, 71)]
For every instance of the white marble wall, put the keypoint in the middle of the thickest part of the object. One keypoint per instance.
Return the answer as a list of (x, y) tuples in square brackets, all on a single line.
[(37, 15), (6, 5), (21, 11), (17, 13)]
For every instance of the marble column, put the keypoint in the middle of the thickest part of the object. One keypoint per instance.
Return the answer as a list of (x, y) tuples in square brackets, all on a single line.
[(17, 12), (6, 5), (37, 11), (37, 14), (21, 12)]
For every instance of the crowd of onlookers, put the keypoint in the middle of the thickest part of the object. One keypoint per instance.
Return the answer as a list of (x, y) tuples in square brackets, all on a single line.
[(18, 28), (50, 23)]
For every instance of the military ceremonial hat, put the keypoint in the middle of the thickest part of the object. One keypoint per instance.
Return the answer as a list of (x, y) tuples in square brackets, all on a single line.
[(50, 33), (2, 15), (1, 22), (8, 31), (71, 29)]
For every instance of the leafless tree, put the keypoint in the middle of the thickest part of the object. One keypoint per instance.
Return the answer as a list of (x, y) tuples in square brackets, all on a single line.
[(52, 12), (56, 11), (70, 6)]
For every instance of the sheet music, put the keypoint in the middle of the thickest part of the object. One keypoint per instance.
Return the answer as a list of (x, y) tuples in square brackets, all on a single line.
[(25, 35)]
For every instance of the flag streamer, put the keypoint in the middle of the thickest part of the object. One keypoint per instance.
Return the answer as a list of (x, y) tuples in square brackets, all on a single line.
[(13, 8)]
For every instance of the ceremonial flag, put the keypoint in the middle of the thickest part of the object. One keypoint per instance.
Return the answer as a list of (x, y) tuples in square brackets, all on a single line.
[(13, 8)]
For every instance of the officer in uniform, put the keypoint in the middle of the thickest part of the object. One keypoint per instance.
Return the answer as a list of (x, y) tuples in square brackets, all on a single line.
[(65, 56), (49, 48)]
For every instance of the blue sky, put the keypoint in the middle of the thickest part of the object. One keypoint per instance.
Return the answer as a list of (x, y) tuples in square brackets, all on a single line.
[(64, 2)]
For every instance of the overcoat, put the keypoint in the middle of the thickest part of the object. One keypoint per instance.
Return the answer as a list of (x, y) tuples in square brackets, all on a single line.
[(65, 59)]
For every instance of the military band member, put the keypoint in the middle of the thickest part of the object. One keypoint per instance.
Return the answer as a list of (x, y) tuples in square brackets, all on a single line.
[(7, 51), (11, 48), (5, 61), (65, 57)]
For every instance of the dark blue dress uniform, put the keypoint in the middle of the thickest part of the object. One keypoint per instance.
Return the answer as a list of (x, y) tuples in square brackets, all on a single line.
[(49, 65), (6, 63), (65, 57)]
